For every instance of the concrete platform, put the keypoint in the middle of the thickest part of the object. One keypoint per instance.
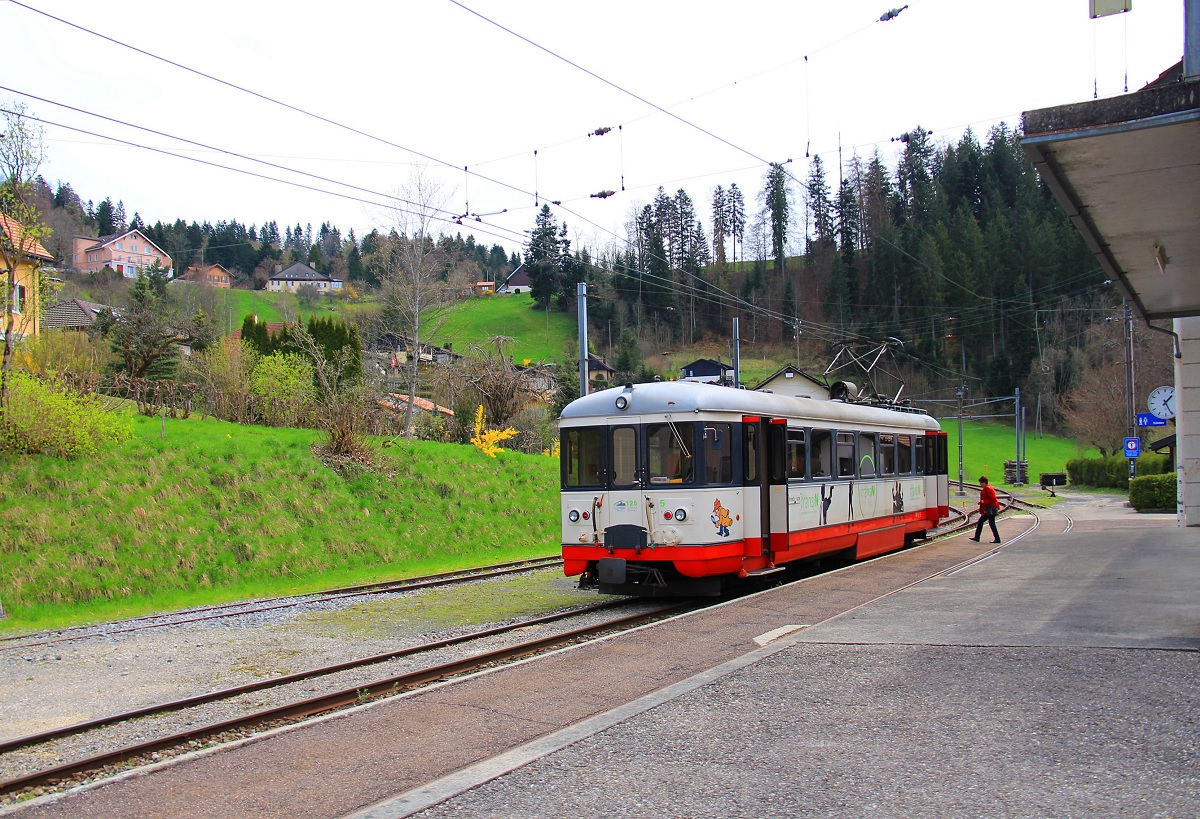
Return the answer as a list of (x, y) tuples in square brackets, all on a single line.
[(1056, 677)]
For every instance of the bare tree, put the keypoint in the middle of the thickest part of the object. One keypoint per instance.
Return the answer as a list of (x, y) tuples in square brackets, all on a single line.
[(21, 153), (1095, 407), (416, 289), (489, 378)]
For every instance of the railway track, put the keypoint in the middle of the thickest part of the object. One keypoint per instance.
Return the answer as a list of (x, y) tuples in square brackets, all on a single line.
[(190, 738), (244, 608), (181, 741)]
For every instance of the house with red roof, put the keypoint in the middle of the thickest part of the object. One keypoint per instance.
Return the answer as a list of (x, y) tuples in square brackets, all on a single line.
[(128, 253)]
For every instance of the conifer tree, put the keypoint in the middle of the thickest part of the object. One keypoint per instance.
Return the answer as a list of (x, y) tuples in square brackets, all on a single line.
[(777, 200)]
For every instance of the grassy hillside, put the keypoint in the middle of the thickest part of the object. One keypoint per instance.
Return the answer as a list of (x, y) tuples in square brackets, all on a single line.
[(218, 511), (539, 336)]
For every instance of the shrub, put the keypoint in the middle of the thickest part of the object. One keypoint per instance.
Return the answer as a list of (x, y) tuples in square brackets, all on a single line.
[(1092, 471), (1113, 471), (56, 352), (44, 418), (1153, 464), (282, 383), (223, 375), (1153, 492)]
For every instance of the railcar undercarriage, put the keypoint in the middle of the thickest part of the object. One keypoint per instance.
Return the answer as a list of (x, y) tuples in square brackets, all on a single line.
[(615, 575)]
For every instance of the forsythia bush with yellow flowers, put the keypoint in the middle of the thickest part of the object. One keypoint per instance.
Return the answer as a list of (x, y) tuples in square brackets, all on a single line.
[(486, 440)]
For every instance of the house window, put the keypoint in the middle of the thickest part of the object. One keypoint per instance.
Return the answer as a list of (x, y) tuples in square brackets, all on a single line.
[(120, 246), (19, 299)]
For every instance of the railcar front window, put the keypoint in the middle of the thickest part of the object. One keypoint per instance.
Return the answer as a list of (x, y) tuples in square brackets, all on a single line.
[(583, 457), (718, 453), (624, 458), (672, 452)]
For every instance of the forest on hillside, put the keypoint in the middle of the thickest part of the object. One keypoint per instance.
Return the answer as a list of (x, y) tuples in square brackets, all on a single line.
[(957, 261), (958, 264)]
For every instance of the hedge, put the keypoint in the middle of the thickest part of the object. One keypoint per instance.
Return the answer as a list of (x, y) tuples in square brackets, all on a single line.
[(1113, 471), (1153, 492)]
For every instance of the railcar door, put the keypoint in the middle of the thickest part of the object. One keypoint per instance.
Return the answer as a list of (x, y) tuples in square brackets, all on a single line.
[(776, 512), (754, 453), (626, 479), (763, 444)]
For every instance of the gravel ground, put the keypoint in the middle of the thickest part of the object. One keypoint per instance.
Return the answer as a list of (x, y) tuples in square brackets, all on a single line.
[(50, 686)]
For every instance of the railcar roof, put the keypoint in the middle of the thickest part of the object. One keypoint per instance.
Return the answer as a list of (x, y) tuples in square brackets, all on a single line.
[(663, 397)]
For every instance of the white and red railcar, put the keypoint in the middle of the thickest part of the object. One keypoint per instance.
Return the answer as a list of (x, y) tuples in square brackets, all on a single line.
[(677, 488)]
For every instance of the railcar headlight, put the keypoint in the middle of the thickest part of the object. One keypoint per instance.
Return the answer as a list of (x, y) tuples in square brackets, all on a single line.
[(573, 516), (622, 402), (681, 514)]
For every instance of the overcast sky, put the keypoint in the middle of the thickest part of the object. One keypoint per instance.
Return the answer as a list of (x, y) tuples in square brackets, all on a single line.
[(705, 93)]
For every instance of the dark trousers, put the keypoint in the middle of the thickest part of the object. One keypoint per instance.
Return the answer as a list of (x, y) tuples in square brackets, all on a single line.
[(990, 519)]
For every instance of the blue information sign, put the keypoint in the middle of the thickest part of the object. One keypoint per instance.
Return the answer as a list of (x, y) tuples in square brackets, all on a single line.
[(1145, 419), (1133, 447)]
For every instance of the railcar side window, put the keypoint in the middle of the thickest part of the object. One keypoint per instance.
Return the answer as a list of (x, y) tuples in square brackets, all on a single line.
[(672, 451), (866, 454), (624, 457), (796, 450), (845, 454), (920, 453), (904, 459), (718, 453), (583, 457), (820, 447), (887, 454)]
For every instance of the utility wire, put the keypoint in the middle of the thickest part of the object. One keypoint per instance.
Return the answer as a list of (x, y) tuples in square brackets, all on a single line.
[(741, 302), (243, 171), (450, 214)]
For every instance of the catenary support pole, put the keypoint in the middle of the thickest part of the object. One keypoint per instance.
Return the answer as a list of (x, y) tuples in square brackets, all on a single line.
[(1017, 426), (581, 299), (737, 356)]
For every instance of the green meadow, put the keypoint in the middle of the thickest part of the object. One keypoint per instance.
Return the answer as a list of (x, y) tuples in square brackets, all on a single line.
[(537, 336), (217, 511), (986, 446)]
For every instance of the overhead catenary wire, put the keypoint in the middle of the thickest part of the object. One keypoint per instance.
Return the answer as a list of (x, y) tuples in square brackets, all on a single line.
[(242, 171), (351, 129), (215, 149), (743, 304)]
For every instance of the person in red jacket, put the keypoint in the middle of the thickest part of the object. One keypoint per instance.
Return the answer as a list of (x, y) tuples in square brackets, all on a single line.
[(989, 507)]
